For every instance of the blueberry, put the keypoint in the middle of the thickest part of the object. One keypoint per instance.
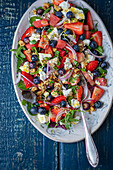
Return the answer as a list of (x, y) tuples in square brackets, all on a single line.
[(93, 44), (40, 11), (82, 37), (49, 98), (86, 105), (39, 31), (34, 58), (50, 86), (64, 38), (63, 103), (68, 31), (61, 71), (53, 43), (33, 110), (42, 110), (69, 15), (36, 80), (59, 14), (32, 65), (96, 73), (60, 30), (76, 48), (98, 104), (100, 59), (45, 69), (104, 65), (37, 104), (26, 40)]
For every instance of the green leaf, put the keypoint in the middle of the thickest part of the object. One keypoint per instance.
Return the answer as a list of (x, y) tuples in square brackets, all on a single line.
[(73, 120), (47, 124), (51, 82), (95, 28), (54, 128), (58, 63), (100, 50), (24, 102), (85, 10), (57, 53), (35, 50), (83, 69), (66, 51), (102, 71), (21, 85), (76, 63), (19, 62), (47, 10), (33, 42), (29, 105), (33, 19), (18, 52), (36, 72), (89, 47), (69, 100)]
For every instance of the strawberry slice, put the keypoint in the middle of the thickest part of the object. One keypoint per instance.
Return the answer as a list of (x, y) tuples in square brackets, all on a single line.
[(101, 81), (41, 23), (56, 111), (62, 53), (87, 34), (77, 27), (42, 104), (29, 46), (49, 51), (97, 36), (80, 57), (97, 94), (86, 27), (92, 65), (43, 43), (53, 117), (88, 77), (28, 33), (28, 56), (26, 82), (58, 99), (61, 44), (90, 20), (79, 93), (53, 20), (57, 2)]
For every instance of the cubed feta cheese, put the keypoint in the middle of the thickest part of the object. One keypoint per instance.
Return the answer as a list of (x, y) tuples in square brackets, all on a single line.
[(53, 61), (86, 42), (90, 58), (67, 93), (25, 67), (67, 64), (75, 103), (35, 37), (42, 76), (64, 5), (42, 56), (53, 34), (42, 118)]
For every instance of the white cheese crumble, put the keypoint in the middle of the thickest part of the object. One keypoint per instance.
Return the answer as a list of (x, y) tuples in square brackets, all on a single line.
[(53, 61), (42, 118), (35, 37), (25, 67), (46, 94), (64, 5), (67, 93), (53, 34), (42, 75), (42, 56), (75, 103), (67, 64), (90, 58), (86, 42)]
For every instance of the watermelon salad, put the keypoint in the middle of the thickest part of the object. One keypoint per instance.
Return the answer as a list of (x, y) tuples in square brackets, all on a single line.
[(60, 64)]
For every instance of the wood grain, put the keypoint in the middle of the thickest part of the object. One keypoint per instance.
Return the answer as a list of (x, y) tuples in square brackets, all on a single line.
[(21, 145)]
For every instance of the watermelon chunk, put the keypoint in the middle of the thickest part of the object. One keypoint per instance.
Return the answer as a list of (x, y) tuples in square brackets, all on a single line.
[(61, 44), (41, 23), (53, 20)]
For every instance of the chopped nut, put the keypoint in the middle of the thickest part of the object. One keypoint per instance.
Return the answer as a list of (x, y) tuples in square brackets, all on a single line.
[(83, 64), (57, 85), (39, 93), (46, 5), (34, 11), (57, 107), (57, 8), (41, 86), (32, 70), (28, 51), (46, 82), (39, 97), (76, 70), (34, 89), (34, 53), (92, 108), (46, 94), (21, 43), (54, 49)]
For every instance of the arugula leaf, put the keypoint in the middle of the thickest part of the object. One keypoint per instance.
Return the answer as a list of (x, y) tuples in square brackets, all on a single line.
[(95, 28), (85, 10), (102, 71), (58, 63), (100, 50), (29, 105), (51, 82), (33, 19), (35, 50), (24, 102), (47, 10), (18, 51), (66, 51), (48, 125), (21, 85), (33, 42), (57, 53), (83, 69), (54, 128)]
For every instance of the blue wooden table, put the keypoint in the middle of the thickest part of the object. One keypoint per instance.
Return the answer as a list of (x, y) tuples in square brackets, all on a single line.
[(21, 145)]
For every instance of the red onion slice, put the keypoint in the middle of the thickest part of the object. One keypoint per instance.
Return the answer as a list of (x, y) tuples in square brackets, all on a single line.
[(60, 114), (86, 91), (94, 54), (66, 76), (18, 79), (72, 39), (61, 22), (72, 50), (29, 80)]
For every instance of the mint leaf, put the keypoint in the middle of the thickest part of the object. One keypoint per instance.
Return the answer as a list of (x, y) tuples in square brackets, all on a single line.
[(21, 85), (33, 42), (19, 62)]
